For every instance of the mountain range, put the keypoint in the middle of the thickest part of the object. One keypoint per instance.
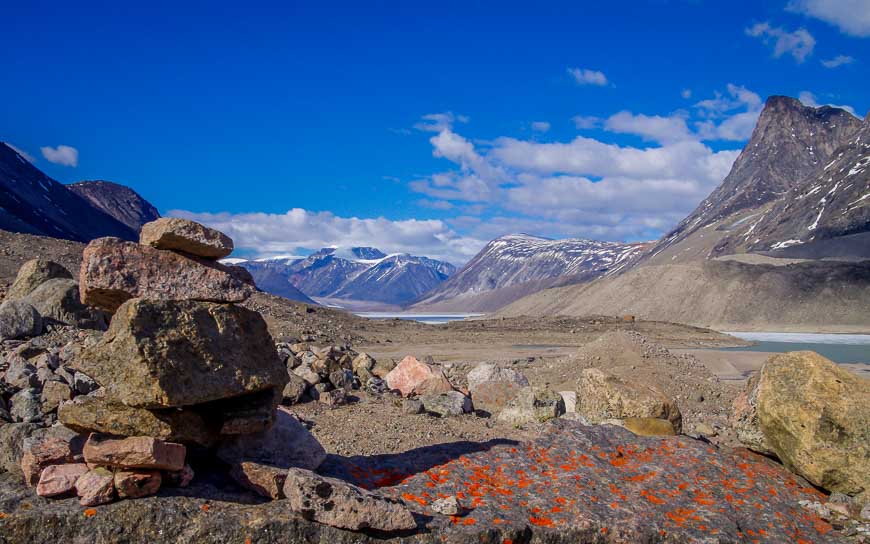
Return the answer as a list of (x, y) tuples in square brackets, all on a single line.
[(782, 243), (359, 278), (516, 265)]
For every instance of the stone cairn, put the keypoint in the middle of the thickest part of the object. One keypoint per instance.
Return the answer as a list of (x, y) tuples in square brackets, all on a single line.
[(182, 372)]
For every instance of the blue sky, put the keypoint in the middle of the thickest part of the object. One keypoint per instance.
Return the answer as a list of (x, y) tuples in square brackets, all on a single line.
[(416, 127)]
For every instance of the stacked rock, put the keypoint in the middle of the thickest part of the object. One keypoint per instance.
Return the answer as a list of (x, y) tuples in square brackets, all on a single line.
[(181, 366)]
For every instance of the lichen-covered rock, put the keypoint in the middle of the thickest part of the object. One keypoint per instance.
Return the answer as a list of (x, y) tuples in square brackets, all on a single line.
[(602, 396), (492, 387), (452, 403), (532, 405), (54, 392), (814, 416), (340, 504), (161, 354), (412, 377), (86, 414), (19, 319), (186, 236), (114, 271), (26, 406), (34, 273), (133, 452)]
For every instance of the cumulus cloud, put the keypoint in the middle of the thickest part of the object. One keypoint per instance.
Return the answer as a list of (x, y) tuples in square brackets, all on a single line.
[(728, 116), (268, 235), (540, 126), (24, 154), (653, 128), (584, 76), (809, 99), (62, 154), (850, 16), (839, 60), (799, 43)]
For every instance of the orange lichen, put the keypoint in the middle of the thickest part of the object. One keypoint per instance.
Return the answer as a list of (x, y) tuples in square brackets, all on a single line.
[(90, 512), (541, 521), (204, 508), (414, 498)]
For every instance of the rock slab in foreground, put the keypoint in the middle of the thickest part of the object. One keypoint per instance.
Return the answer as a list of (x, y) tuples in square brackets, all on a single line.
[(814, 416), (187, 236), (114, 271), (162, 354), (134, 452), (340, 504)]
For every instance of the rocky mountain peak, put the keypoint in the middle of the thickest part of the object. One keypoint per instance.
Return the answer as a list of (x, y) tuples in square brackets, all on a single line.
[(118, 201)]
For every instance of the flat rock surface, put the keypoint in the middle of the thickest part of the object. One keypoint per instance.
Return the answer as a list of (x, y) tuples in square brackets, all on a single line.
[(573, 484)]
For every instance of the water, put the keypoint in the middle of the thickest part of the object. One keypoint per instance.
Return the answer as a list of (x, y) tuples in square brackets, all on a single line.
[(429, 319), (840, 348)]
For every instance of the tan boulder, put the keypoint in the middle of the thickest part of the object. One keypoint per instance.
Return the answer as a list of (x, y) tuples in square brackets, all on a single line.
[(186, 236), (34, 273), (114, 271), (492, 387), (814, 416), (602, 396), (264, 480), (648, 426), (532, 405), (162, 354), (412, 377), (134, 452)]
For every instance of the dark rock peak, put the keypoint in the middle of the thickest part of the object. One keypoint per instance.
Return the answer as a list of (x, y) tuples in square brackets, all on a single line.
[(368, 253), (118, 201)]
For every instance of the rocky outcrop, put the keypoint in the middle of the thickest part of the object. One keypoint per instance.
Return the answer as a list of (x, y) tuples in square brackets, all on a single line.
[(187, 237), (412, 377), (602, 396), (814, 416), (114, 271), (163, 354)]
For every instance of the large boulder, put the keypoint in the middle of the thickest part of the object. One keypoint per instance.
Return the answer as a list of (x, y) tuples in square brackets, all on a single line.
[(340, 504), (57, 300), (451, 403), (532, 405), (602, 396), (19, 319), (34, 273), (186, 236), (88, 413), (412, 377), (814, 416), (114, 271), (492, 387), (162, 354)]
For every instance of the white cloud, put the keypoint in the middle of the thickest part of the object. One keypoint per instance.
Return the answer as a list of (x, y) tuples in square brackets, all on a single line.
[(799, 43), (265, 235), (24, 154), (540, 126), (809, 99), (586, 121), (436, 122), (686, 93), (584, 76), (839, 60), (721, 121), (850, 16), (62, 154), (650, 127)]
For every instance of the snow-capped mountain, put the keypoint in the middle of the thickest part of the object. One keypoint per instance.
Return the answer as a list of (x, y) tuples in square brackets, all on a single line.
[(33, 203), (355, 274), (515, 265)]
